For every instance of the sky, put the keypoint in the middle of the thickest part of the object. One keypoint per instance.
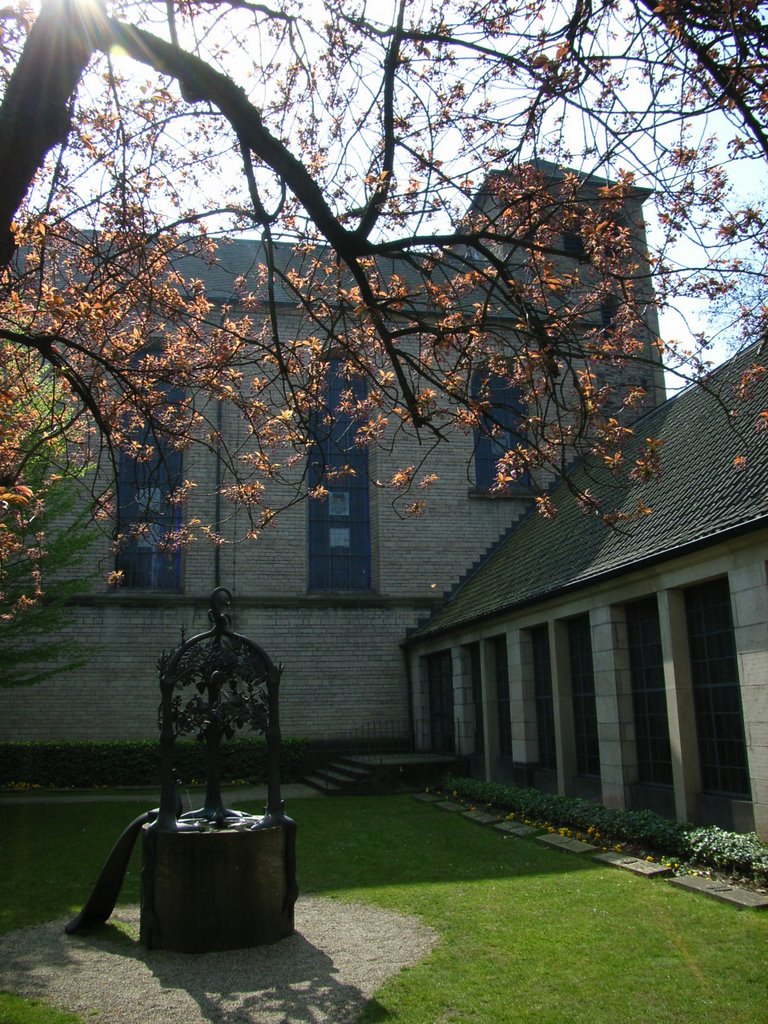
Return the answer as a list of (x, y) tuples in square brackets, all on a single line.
[(690, 317)]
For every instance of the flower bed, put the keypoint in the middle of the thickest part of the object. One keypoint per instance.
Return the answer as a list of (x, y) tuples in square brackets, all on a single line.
[(682, 846)]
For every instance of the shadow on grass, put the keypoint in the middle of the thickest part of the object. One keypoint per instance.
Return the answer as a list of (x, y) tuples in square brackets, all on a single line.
[(375, 1013)]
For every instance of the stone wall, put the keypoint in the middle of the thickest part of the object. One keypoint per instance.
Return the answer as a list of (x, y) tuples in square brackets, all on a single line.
[(343, 665)]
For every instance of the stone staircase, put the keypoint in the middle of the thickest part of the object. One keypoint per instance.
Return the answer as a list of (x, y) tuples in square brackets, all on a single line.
[(378, 774)]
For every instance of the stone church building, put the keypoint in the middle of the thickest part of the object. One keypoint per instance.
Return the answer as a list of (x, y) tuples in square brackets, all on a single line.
[(556, 653)]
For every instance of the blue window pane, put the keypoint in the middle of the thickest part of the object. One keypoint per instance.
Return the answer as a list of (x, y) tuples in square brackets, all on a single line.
[(144, 511), (477, 697), (649, 699), (545, 706), (573, 243), (583, 697), (716, 690), (148, 569), (339, 534), (500, 431), (609, 307), (503, 709)]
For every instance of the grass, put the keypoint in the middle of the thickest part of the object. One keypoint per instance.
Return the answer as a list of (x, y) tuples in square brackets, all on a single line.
[(526, 934), (14, 1010)]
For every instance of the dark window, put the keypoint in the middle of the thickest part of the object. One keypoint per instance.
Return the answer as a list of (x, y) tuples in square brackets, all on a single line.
[(542, 688), (649, 698), (500, 431), (573, 243), (609, 307), (339, 536), (716, 691), (503, 712), (477, 696), (583, 695), (440, 683), (147, 519)]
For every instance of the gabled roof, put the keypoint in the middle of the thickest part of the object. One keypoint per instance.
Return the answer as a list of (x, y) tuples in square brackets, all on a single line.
[(700, 497)]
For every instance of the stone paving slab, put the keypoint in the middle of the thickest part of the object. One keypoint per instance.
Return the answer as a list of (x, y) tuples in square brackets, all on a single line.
[(568, 845), (481, 817), (427, 798), (512, 828), (449, 805), (737, 897), (634, 864)]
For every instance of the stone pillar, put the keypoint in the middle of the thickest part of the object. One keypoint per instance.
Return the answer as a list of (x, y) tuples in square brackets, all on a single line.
[(420, 702), (563, 707), (522, 698), (613, 699), (463, 701), (749, 606), (686, 776)]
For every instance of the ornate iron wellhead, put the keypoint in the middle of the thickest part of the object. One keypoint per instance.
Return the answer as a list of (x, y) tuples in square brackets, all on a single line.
[(213, 684)]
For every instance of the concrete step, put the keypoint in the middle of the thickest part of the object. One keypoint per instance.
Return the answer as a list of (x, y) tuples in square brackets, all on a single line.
[(351, 768), (340, 775), (322, 784), (338, 779), (362, 774)]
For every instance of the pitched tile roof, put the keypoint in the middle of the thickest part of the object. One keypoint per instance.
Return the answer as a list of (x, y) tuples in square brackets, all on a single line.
[(699, 497)]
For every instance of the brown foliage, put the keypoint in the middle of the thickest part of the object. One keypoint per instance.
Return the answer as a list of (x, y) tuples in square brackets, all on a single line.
[(411, 165)]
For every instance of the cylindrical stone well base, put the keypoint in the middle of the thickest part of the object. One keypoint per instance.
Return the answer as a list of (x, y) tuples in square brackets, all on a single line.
[(214, 890)]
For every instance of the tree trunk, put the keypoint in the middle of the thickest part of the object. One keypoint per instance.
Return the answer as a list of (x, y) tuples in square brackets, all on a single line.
[(35, 114)]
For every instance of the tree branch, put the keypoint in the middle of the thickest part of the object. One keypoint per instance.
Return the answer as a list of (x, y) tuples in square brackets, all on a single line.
[(671, 16), (382, 188), (245, 119)]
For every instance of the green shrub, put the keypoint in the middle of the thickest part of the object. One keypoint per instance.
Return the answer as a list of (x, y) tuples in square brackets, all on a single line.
[(82, 764), (710, 847), (743, 854)]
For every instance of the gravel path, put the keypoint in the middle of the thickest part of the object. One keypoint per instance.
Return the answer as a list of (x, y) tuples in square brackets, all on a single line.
[(339, 956)]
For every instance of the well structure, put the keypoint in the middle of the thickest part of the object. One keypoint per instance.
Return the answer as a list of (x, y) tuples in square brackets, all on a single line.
[(216, 878)]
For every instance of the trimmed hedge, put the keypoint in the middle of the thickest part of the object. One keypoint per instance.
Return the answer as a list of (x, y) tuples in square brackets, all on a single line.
[(82, 764), (710, 847)]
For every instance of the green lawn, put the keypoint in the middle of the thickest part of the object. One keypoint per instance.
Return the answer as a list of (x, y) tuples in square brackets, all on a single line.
[(526, 934)]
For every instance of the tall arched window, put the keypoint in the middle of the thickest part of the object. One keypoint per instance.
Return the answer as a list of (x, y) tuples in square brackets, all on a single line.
[(500, 430), (339, 533), (148, 559)]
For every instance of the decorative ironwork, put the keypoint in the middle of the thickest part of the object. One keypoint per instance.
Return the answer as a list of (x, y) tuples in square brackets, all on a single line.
[(234, 683)]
